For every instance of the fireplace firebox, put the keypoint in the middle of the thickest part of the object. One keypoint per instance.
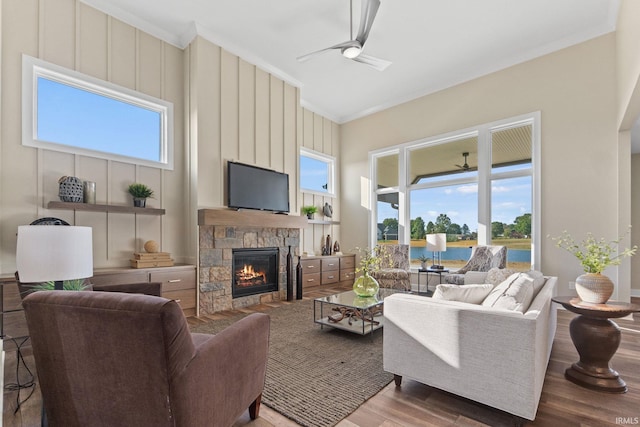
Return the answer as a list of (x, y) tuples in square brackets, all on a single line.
[(255, 271)]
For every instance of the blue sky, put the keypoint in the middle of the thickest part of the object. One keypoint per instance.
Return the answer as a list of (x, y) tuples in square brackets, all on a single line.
[(97, 121)]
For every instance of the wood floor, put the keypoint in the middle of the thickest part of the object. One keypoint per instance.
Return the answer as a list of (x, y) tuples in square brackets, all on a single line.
[(562, 403)]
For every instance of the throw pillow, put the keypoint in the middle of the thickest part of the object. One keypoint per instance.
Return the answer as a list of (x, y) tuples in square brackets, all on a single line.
[(515, 293), (496, 275), (538, 281), (473, 294)]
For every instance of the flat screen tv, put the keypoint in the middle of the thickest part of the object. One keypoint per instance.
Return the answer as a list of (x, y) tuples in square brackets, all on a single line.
[(252, 187)]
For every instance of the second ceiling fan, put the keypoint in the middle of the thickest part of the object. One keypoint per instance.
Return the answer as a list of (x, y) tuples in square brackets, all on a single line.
[(352, 49)]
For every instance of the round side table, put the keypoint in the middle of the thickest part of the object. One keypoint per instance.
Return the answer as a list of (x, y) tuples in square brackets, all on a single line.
[(596, 338)]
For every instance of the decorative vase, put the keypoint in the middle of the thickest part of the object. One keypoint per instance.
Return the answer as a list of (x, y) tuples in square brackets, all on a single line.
[(139, 202), (594, 288), (365, 286), (70, 189)]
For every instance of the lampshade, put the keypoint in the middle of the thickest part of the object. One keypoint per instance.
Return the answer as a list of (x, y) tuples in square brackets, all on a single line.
[(437, 242), (54, 252)]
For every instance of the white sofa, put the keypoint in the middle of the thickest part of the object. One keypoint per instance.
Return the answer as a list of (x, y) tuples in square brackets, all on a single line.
[(492, 356)]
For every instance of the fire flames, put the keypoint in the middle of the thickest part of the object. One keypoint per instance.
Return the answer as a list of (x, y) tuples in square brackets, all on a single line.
[(247, 276)]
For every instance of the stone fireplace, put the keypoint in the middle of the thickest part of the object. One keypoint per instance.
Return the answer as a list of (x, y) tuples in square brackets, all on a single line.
[(223, 231)]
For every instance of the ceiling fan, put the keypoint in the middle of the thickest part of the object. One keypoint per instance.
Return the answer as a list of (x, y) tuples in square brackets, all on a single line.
[(464, 167), (352, 49)]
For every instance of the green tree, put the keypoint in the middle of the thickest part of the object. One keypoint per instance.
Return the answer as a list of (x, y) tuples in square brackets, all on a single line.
[(442, 223), (417, 229), (522, 224), (454, 229), (465, 230), (431, 227), (497, 229), (392, 223)]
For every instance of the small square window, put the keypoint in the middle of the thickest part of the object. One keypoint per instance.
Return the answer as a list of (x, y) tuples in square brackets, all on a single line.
[(316, 172)]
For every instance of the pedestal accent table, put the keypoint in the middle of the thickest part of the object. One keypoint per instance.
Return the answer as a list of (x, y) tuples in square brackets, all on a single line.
[(596, 338)]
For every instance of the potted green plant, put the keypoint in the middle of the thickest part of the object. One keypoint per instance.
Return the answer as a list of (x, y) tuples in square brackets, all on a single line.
[(594, 255), (370, 261), (140, 193), (67, 285), (424, 260), (309, 211)]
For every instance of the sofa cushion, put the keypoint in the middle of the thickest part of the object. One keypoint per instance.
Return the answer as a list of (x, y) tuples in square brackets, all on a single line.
[(515, 293), (473, 294), (496, 275)]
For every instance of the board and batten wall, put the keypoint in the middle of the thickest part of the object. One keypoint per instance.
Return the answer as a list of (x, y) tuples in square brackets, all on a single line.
[(239, 112), (73, 35)]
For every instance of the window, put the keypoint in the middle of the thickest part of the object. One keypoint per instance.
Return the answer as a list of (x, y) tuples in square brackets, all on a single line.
[(317, 171), (479, 186), (67, 111)]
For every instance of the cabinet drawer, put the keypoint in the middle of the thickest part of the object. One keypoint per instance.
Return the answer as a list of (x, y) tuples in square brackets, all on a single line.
[(310, 279), (310, 266), (330, 264), (120, 278), (329, 277), (347, 262), (184, 298), (174, 280), (347, 275)]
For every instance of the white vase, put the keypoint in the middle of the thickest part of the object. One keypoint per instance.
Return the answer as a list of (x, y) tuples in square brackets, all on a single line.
[(594, 288)]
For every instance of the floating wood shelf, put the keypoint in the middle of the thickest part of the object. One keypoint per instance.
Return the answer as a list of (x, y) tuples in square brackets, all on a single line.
[(90, 207), (323, 222)]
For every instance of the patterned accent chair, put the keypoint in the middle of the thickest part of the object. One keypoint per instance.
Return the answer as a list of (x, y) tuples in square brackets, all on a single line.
[(395, 274), (483, 258)]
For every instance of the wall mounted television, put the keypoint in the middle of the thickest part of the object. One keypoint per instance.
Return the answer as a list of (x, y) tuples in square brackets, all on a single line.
[(253, 187)]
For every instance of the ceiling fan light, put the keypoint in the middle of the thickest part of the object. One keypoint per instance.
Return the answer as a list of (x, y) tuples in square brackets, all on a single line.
[(351, 52)]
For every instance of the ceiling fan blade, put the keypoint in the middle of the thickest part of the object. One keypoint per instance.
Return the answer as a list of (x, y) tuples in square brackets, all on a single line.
[(377, 63), (369, 11), (308, 56)]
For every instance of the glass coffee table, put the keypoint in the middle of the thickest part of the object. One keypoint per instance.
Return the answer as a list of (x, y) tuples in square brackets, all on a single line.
[(347, 311)]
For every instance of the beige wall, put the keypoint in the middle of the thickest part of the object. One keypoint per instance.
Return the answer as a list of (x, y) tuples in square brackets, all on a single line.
[(75, 36), (575, 91), (628, 72), (239, 112)]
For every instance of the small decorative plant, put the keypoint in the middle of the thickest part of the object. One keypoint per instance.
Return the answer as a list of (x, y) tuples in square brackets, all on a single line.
[(372, 260), (594, 255), (309, 210), (67, 285), (423, 260), (140, 191)]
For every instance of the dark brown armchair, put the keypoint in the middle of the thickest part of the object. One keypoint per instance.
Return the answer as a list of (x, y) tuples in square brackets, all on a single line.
[(111, 358)]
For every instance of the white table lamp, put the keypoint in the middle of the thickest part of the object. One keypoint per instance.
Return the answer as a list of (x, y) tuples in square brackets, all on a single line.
[(437, 243), (54, 253)]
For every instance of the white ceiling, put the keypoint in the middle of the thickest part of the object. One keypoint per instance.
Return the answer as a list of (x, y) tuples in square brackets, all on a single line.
[(432, 44)]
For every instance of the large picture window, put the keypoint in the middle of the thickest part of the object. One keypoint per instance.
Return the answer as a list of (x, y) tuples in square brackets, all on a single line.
[(479, 186), (64, 110)]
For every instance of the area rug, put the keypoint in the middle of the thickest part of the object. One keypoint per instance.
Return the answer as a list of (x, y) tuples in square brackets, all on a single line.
[(315, 377)]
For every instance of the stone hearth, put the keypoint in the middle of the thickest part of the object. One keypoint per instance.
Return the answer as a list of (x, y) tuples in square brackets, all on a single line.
[(216, 244)]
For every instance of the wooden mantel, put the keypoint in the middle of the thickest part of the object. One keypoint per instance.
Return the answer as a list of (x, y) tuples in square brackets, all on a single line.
[(248, 218)]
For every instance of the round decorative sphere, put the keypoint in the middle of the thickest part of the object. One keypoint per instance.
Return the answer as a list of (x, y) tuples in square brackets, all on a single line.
[(151, 246)]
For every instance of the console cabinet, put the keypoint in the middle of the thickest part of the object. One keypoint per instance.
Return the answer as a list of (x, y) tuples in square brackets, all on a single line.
[(327, 270), (178, 282)]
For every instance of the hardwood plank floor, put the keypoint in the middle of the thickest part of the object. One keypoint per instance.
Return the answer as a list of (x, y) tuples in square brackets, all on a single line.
[(414, 404)]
